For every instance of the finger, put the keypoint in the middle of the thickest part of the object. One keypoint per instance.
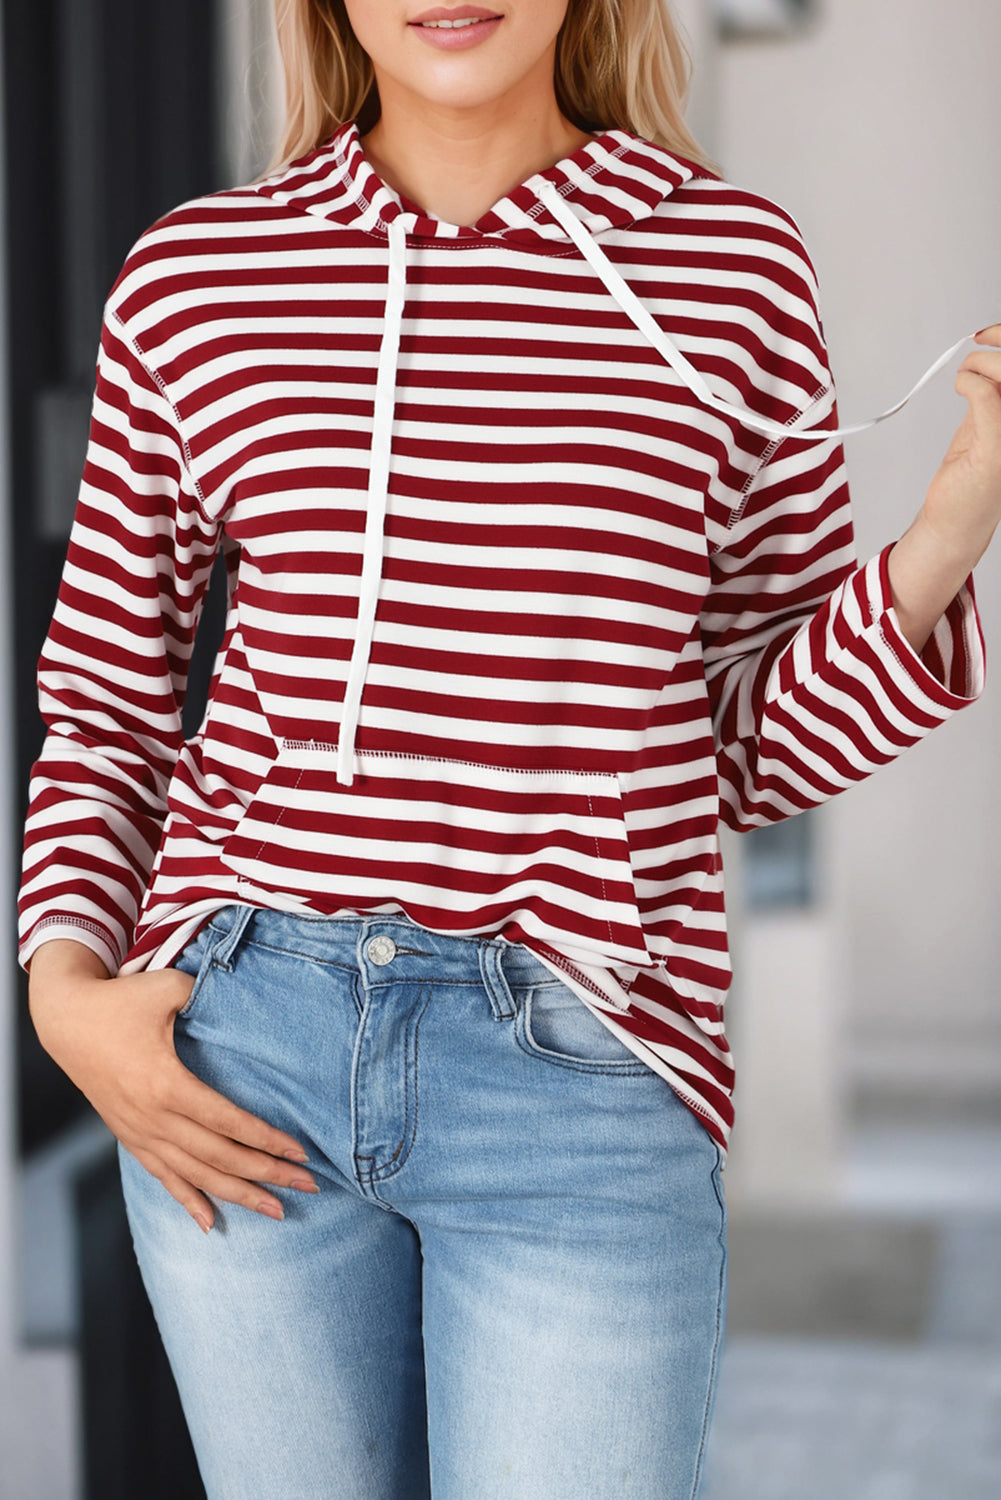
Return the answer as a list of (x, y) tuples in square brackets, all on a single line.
[(195, 1203), (986, 362), (187, 1095), (227, 1155), (983, 394), (991, 335), (199, 1175)]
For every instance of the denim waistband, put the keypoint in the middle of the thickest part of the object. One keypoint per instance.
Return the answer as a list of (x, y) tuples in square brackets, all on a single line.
[(386, 947)]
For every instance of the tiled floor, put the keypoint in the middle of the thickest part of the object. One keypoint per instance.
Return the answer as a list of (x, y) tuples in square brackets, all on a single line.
[(910, 1412)]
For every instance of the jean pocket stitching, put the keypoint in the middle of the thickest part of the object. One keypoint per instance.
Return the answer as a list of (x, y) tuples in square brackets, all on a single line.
[(627, 1066)]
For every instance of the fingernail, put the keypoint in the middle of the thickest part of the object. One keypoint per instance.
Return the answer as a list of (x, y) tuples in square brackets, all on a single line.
[(273, 1210), (299, 1156), (305, 1185), (202, 1220)]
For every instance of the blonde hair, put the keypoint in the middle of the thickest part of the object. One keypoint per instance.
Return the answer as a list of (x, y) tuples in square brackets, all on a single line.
[(619, 64)]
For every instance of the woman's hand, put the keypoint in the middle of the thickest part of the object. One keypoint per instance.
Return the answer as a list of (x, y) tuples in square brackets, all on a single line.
[(934, 557), (115, 1040)]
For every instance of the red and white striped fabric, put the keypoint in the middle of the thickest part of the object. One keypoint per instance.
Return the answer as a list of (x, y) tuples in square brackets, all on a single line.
[(515, 618)]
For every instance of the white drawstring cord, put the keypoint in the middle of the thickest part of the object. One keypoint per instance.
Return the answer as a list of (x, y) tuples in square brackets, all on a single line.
[(378, 489), (624, 295)]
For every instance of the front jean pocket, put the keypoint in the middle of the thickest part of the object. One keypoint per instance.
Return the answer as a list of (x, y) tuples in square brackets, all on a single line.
[(553, 1024)]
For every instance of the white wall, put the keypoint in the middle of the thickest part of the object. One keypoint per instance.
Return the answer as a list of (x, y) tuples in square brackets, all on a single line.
[(697, 21), (879, 131)]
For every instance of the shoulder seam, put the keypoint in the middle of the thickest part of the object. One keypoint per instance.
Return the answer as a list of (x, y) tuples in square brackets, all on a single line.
[(161, 384), (765, 458)]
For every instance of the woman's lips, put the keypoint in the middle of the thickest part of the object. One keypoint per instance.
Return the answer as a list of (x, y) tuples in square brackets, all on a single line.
[(481, 24)]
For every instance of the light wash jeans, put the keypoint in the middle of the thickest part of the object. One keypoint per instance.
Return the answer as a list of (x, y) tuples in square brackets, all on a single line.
[(512, 1284)]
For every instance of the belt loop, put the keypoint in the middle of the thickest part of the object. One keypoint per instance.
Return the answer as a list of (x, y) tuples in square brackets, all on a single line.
[(223, 954), (502, 1002)]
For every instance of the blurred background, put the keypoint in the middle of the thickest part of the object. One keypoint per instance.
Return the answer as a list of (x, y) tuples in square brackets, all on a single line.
[(863, 1350)]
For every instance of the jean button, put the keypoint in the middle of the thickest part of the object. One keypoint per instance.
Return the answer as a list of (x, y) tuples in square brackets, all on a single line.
[(381, 950)]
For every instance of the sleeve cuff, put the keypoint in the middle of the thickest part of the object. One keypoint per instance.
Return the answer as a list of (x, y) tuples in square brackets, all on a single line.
[(950, 672), (79, 930)]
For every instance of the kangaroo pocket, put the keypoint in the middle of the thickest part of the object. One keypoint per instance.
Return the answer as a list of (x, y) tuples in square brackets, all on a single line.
[(535, 854)]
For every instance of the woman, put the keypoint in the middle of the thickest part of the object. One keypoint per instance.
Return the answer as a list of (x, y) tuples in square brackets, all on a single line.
[(488, 391)]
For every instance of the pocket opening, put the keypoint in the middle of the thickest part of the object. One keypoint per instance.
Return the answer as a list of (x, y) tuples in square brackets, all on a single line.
[(569, 1034), (540, 852)]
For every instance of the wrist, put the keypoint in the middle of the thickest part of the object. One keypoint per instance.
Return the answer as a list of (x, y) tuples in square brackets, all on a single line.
[(926, 571), (56, 968), (949, 550), (64, 958)]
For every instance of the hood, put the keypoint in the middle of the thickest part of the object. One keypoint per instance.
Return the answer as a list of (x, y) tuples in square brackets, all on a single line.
[(613, 180)]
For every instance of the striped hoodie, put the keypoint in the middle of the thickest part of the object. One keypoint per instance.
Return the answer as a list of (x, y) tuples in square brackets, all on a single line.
[(532, 581)]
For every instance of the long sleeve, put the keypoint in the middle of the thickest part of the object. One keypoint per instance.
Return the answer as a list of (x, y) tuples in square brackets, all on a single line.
[(114, 666), (812, 684)]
